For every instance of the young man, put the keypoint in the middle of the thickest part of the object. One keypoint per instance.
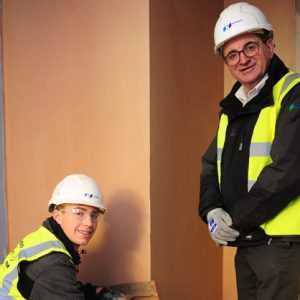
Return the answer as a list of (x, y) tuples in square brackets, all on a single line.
[(250, 179), (44, 264)]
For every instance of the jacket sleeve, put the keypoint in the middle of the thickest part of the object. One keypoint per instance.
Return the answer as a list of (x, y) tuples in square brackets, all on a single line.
[(210, 196), (279, 182)]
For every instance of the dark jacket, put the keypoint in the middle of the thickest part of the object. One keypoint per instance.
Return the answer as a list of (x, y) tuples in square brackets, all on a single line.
[(278, 183), (53, 277)]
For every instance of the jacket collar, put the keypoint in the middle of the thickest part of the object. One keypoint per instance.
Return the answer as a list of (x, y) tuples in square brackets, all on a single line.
[(56, 229)]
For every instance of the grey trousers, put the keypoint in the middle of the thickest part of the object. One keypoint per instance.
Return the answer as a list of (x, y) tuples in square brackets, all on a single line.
[(268, 272)]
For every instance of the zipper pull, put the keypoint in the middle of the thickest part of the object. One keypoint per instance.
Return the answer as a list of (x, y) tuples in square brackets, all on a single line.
[(241, 142), (241, 146)]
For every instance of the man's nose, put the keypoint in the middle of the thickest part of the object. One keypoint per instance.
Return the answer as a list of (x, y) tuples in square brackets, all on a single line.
[(243, 58), (88, 220)]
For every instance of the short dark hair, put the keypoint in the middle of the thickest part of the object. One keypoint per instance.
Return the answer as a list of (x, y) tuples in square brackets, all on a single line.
[(265, 36)]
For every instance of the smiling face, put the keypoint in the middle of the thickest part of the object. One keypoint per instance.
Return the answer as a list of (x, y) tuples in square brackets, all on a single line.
[(249, 70), (79, 222)]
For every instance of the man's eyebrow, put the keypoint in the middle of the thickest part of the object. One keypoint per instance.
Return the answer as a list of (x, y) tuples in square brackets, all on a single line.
[(94, 210), (82, 208)]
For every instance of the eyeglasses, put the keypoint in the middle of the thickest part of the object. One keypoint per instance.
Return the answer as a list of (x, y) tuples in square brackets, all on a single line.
[(81, 214), (249, 50)]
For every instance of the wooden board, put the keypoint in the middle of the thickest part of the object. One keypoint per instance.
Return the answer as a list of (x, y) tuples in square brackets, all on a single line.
[(145, 290)]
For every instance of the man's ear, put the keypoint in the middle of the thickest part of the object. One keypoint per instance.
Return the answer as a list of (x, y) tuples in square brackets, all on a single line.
[(270, 47), (56, 214)]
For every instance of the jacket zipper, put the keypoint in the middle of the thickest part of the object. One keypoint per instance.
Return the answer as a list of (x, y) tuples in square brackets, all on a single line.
[(241, 144)]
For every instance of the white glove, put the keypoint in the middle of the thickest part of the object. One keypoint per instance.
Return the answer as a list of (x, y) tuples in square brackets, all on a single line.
[(219, 222)]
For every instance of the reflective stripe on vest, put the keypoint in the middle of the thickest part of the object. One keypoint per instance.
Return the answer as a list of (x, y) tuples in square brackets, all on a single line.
[(32, 247), (287, 222)]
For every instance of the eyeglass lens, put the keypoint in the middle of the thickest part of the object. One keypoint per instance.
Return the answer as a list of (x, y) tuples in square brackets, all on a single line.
[(249, 50), (81, 214)]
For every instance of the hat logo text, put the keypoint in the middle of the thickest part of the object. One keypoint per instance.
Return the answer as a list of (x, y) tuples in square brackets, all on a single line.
[(228, 26)]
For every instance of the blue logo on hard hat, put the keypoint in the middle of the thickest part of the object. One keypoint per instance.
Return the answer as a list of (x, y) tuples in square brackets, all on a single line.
[(91, 195), (227, 27)]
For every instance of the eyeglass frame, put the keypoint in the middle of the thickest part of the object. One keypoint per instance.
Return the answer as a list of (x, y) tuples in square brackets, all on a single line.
[(257, 43), (94, 216)]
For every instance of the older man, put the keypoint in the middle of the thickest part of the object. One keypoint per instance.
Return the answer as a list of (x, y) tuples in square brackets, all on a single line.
[(250, 179)]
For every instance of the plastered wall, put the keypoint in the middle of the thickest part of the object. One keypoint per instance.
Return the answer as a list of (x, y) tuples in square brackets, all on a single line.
[(76, 80), (77, 99), (186, 83)]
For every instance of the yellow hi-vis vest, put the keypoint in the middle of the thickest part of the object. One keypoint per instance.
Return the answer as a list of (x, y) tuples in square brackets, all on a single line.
[(33, 246), (287, 222)]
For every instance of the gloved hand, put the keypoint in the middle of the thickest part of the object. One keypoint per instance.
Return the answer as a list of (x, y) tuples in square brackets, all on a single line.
[(110, 294), (219, 222)]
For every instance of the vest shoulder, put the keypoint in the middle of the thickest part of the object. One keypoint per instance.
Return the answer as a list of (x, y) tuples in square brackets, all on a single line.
[(45, 264)]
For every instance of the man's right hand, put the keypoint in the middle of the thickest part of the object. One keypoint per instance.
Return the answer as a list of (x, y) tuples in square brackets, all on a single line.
[(219, 222)]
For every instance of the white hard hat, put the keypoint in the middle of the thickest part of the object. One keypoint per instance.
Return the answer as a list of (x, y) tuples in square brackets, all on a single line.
[(236, 19), (77, 189)]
